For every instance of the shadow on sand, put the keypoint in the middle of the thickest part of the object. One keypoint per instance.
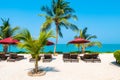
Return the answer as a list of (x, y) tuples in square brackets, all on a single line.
[(49, 69), (53, 58), (114, 63), (46, 69)]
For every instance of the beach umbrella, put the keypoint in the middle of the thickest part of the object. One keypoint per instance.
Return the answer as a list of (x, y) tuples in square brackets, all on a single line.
[(8, 41), (49, 43), (79, 41)]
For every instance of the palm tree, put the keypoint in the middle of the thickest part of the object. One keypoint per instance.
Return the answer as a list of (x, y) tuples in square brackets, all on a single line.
[(33, 46), (59, 13), (83, 34), (6, 31)]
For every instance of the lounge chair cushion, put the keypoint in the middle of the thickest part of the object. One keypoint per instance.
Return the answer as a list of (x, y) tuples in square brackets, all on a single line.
[(74, 56)]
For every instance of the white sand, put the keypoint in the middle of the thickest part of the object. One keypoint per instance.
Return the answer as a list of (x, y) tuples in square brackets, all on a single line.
[(58, 70)]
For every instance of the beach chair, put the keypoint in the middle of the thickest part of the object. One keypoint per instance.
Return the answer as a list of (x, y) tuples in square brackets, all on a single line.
[(74, 58), (87, 58), (96, 57), (47, 58), (3, 56), (90, 58), (33, 59), (20, 57), (66, 57), (14, 57)]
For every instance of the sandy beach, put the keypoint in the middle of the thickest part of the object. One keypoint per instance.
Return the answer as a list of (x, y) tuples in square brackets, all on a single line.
[(59, 70)]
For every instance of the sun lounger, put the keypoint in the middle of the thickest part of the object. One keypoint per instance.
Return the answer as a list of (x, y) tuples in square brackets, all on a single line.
[(20, 57), (74, 58), (96, 58), (3, 56), (10, 59), (66, 58), (14, 57), (90, 58), (47, 58), (70, 58)]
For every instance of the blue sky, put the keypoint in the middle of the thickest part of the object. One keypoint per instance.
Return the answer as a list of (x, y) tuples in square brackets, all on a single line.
[(102, 17)]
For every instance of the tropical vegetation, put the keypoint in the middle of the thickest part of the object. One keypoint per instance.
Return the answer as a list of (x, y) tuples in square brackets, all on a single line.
[(83, 34), (7, 31), (33, 46), (59, 13), (117, 56)]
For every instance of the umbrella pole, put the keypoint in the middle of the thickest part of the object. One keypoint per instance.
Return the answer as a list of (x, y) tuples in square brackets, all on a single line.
[(5, 48), (79, 49), (9, 48)]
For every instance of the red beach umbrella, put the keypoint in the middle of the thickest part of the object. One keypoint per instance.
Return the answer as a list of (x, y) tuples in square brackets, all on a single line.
[(9, 40), (78, 41), (49, 43)]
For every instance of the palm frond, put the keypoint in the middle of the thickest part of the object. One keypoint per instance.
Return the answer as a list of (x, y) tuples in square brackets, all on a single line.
[(94, 43), (5, 22), (53, 6), (68, 10), (91, 37), (47, 10), (24, 35), (86, 36), (42, 15), (65, 6), (6, 30), (44, 37), (81, 34), (59, 31), (84, 31), (70, 25), (14, 30), (64, 25), (68, 16), (76, 36), (47, 24)]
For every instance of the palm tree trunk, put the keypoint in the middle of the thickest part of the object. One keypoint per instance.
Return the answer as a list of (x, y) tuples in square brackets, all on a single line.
[(56, 39), (78, 48), (83, 48), (5, 48), (36, 64)]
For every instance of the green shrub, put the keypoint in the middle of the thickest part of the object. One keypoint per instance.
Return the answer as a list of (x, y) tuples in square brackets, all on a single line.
[(117, 56)]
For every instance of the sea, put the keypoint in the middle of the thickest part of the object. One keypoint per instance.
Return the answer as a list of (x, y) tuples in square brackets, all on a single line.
[(68, 48)]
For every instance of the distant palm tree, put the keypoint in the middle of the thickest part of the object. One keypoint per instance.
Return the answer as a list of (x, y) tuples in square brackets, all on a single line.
[(6, 31), (83, 34), (59, 13), (33, 46)]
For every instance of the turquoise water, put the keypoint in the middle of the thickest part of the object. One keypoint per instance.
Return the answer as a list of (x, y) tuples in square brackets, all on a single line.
[(69, 48)]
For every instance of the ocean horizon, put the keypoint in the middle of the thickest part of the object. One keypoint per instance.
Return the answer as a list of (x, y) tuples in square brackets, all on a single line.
[(68, 48)]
